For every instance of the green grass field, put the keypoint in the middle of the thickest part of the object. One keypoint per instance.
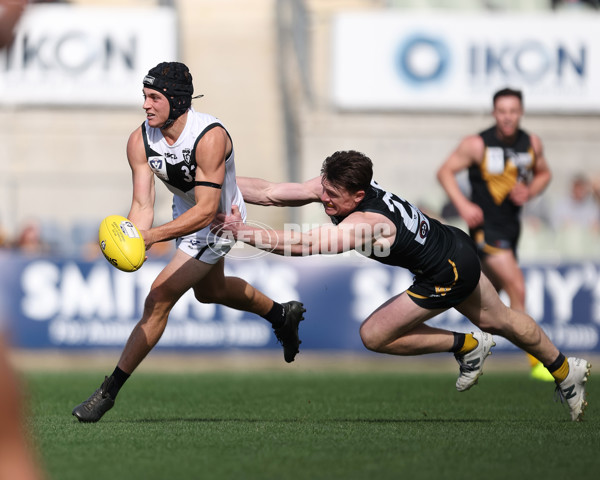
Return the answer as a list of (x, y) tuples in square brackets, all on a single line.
[(306, 425)]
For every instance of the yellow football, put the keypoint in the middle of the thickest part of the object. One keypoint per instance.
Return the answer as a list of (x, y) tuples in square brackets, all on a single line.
[(121, 243)]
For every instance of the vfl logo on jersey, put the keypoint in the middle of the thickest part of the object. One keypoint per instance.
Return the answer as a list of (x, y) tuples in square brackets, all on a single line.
[(523, 161), (187, 155), (520, 159), (159, 167), (423, 229)]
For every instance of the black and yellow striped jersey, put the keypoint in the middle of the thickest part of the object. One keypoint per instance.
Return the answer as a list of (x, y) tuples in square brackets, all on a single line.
[(503, 165)]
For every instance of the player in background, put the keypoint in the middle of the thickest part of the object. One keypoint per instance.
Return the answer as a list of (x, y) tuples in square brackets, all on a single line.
[(17, 460), (444, 260), (192, 153), (506, 168)]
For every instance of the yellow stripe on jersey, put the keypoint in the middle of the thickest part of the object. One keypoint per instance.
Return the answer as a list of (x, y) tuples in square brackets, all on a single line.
[(488, 249), (444, 290), (441, 291), (416, 295)]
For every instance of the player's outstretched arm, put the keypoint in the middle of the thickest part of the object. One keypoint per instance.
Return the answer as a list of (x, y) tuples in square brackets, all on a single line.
[(364, 231), (262, 192)]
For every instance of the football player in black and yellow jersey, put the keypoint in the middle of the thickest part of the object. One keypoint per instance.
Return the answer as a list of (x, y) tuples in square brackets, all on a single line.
[(506, 168), (447, 272)]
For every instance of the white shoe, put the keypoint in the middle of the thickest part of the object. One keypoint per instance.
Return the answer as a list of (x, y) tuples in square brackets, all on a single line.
[(471, 363), (572, 388)]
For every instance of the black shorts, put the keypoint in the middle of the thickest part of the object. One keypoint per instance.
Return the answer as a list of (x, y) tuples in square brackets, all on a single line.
[(453, 281), (490, 240)]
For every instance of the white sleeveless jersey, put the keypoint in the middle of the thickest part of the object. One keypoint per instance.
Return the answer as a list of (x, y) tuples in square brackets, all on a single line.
[(175, 164)]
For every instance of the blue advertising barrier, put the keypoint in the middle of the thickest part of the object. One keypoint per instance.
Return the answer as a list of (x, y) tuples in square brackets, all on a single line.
[(73, 304)]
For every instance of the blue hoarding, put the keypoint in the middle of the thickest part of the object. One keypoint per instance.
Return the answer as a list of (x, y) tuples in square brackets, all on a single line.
[(73, 304)]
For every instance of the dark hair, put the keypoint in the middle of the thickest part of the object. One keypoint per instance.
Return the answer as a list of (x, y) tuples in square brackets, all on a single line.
[(507, 92), (174, 81), (350, 170)]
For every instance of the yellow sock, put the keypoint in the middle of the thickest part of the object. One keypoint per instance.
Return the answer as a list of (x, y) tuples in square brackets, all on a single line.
[(470, 344), (561, 372)]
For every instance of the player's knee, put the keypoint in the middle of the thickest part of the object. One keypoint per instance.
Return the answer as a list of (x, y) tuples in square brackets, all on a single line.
[(370, 340), (207, 296), (158, 302), (210, 294)]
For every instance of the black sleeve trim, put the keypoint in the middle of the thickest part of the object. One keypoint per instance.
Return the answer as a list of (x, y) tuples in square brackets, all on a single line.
[(208, 128), (149, 151), (207, 184)]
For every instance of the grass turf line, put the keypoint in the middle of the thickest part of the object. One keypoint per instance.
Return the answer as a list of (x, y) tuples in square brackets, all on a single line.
[(312, 426)]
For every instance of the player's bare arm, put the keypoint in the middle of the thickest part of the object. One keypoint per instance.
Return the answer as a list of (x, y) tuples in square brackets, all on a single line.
[(141, 212), (363, 231), (469, 152), (263, 192), (211, 152)]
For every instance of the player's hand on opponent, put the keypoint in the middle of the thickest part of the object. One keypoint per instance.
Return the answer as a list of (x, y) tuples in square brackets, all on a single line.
[(472, 214), (229, 224)]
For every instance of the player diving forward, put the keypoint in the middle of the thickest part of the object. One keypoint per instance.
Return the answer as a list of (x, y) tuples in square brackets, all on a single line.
[(443, 259)]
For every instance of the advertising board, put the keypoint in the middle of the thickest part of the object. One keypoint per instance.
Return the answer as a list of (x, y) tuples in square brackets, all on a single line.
[(456, 61), (73, 304)]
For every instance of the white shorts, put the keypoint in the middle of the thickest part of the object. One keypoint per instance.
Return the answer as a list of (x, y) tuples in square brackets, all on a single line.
[(203, 245)]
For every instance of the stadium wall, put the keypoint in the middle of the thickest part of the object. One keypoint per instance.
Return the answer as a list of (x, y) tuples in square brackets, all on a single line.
[(64, 164)]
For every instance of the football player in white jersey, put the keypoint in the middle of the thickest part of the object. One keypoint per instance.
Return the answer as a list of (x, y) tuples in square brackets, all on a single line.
[(192, 154)]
